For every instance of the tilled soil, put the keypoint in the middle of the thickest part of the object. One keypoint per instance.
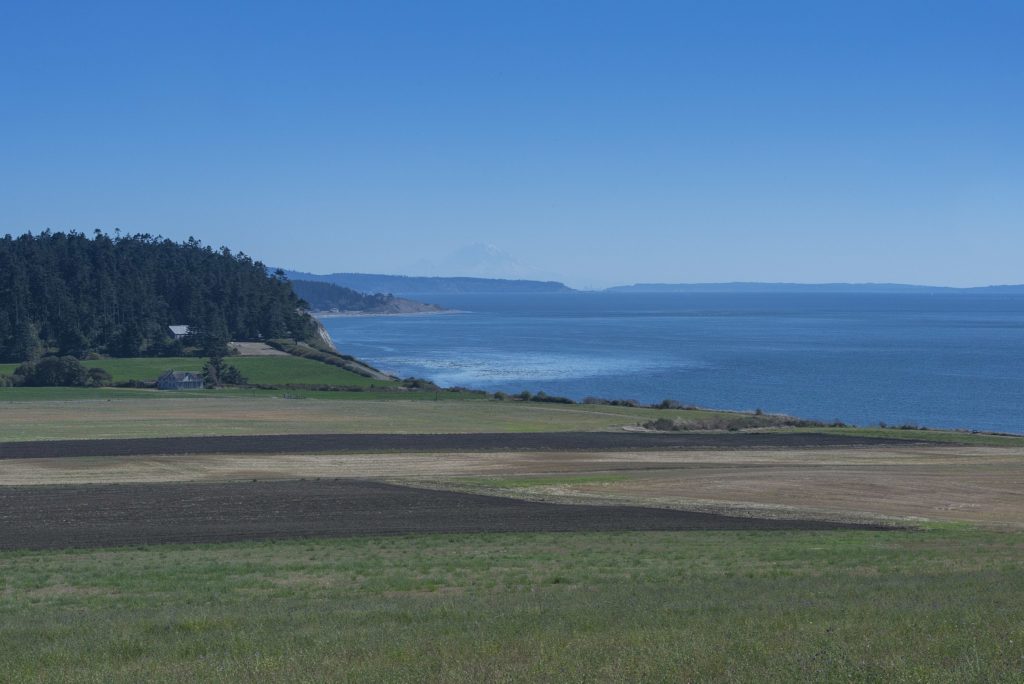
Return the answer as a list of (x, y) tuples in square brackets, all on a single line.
[(120, 515), (480, 442)]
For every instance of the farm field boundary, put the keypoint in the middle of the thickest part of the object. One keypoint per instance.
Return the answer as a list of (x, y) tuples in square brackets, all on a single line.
[(425, 443)]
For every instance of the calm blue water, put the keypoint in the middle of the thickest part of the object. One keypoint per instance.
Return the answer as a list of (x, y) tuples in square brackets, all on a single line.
[(938, 360)]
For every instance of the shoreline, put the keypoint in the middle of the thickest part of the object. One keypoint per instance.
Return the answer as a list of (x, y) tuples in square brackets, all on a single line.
[(481, 372), (346, 314)]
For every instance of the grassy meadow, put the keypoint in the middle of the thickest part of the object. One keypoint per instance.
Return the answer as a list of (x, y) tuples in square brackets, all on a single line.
[(942, 603), (102, 409), (29, 413), (119, 413), (907, 606)]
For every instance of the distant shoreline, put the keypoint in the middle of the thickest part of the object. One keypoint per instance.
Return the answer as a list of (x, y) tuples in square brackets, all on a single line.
[(346, 314), (810, 288)]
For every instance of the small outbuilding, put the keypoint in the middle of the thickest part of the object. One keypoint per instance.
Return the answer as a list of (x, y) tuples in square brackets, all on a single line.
[(179, 332), (180, 380)]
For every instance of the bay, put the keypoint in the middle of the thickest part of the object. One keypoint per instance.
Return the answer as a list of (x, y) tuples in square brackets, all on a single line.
[(941, 360)]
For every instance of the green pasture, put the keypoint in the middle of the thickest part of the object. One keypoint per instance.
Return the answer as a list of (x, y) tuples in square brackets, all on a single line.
[(87, 413), (112, 413), (908, 606), (375, 393)]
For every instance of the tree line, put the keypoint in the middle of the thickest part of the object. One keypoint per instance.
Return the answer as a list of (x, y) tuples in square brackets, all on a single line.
[(71, 294)]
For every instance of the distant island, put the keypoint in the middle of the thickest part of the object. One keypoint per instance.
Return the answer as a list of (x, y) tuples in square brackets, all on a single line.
[(328, 298), (880, 288), (420, 286), (423, 285)]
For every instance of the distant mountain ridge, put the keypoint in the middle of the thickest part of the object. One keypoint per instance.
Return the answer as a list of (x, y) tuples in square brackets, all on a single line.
[(750, 287), (426, 285)]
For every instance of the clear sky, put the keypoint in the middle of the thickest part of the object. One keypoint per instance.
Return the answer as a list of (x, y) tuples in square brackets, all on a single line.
[(598, 142)]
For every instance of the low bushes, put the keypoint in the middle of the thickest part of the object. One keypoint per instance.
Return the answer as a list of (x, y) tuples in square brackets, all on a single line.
[(459, 389), (420, 384), (549, 399), (731, 422), (98, 377), (319, 388), (56, 371), (349, 363), (632, 403), (542, 397)]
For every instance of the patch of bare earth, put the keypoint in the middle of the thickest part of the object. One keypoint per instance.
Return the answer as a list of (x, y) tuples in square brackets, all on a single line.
[(992, 494), (83, 516), (975, 484), (256, 349)]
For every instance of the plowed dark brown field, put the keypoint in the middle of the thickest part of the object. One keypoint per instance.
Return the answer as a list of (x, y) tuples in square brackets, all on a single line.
[(504, 441), (120, 515)]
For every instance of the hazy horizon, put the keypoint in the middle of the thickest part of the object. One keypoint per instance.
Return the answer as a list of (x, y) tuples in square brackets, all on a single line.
[(650, 282), (656, 142)]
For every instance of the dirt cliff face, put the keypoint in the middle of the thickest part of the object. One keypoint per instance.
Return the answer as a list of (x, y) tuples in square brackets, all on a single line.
[(324, 336)]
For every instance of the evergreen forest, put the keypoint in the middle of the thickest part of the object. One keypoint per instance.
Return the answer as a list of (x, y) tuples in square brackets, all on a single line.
[(323, 296), (72, 294)]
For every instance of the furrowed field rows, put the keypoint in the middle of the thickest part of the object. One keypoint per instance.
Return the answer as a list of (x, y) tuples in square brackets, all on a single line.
[(119, 515)]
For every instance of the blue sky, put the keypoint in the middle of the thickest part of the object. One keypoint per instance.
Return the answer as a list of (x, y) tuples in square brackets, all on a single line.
[(597, 142)]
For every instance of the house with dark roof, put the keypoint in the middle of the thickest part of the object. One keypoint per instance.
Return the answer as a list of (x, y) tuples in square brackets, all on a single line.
[(180, 380)]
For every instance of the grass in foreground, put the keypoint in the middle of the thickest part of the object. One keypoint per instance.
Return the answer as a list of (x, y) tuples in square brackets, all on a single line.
[(943, 605)]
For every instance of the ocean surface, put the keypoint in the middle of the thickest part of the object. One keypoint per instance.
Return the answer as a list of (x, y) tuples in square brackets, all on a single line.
[(941, 360)]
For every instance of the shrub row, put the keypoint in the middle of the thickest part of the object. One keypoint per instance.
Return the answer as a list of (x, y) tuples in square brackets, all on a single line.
[(632, 403), (732, 422), (349, 363), (56, 371), (527, 396), (322, 388)]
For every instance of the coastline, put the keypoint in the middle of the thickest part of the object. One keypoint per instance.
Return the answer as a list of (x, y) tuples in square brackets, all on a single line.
[(346, 314), (649, 347)]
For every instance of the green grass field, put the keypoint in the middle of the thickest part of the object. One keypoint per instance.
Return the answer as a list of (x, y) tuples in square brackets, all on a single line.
[(65, 413), (284, 370), (940, 604), (934, 606), (28, 413), (260, 370), (64, 394)]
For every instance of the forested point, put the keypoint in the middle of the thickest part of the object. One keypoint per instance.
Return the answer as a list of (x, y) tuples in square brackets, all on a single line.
[(323, 296), (69, 294)]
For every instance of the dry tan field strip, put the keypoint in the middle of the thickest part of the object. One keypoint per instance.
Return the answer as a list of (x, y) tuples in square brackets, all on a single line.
[(425, 443), (121, 515), (888, 481)]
